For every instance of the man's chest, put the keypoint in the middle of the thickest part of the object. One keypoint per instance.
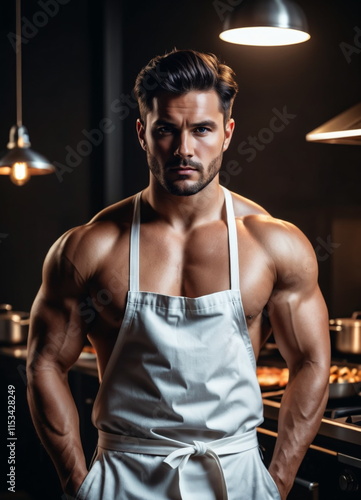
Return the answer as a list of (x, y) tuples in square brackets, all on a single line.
[(176, 265)]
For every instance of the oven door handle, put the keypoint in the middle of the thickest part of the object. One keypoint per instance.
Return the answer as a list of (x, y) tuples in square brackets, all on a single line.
[(309, 485)]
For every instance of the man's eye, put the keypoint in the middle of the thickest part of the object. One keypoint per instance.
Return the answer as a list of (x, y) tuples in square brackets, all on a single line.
[(164, 130), (202, 130)]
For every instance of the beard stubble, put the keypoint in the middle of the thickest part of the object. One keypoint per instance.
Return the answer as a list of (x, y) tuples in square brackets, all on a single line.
[(181, 189)]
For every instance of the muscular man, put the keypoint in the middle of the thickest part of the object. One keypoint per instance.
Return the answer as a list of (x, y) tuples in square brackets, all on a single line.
[(179, 401)]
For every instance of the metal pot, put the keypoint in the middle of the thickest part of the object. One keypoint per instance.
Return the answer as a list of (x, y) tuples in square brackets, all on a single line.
[(344, 390), (347, 338), (14, 325)]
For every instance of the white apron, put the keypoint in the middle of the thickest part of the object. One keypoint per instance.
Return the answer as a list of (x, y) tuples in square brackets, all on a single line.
[(179, 403)]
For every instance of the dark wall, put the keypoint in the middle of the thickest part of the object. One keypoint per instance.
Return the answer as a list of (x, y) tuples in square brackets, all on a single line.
[(312, 185), (61, 93)]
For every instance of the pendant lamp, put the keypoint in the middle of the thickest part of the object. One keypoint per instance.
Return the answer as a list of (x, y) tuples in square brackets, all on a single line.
[(266, 23), (19, 161)]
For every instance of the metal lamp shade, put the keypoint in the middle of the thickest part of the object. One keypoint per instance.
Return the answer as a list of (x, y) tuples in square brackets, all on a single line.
[(19, 161), (266, 22), (37, 164)]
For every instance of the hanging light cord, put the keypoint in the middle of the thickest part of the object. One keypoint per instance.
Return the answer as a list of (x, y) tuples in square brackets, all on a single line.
[(19, 117)]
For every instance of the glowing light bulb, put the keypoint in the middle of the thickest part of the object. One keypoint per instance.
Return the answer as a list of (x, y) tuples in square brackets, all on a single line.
[(19, 174), (264, 36)]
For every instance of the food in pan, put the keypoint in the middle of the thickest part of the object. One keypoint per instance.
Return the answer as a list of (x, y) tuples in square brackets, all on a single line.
[(89, 349), (272, 376), (269, 376), (344, 374)]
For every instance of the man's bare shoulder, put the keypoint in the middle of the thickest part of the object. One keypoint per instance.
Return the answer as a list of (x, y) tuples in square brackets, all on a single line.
[(118, 213), (263, 226), (243, 206), (288, 249), (84, 246)]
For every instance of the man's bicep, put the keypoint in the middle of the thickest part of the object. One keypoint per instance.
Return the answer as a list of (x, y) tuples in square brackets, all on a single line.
[(297, 310), (57, 329), (300, 325)]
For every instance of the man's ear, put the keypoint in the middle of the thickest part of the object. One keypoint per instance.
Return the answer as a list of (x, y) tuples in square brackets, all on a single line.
[(228, 132), (141, 133)]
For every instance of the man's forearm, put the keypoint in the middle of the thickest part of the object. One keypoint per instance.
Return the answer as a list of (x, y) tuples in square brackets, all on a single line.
[(300, 415), (57, 423)]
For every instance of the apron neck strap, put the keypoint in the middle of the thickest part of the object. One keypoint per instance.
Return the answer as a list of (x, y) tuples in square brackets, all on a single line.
[(232, 243), (134, 246), (232, 240)]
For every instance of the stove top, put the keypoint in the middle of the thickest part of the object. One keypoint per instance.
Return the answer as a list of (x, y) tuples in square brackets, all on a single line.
[(340, 428), (331, 469)]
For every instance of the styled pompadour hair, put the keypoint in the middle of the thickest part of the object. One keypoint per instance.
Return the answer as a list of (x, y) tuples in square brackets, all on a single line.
[(182, 71)]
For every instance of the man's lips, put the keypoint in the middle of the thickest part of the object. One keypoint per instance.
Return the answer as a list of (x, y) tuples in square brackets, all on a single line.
[(182, 171), (182, 168), (179, 167)]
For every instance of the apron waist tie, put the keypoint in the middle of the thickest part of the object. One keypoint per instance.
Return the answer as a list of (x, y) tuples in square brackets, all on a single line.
[(178, 453)]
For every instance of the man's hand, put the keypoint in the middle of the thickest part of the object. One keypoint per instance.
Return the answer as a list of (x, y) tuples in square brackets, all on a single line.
[(73, 484)]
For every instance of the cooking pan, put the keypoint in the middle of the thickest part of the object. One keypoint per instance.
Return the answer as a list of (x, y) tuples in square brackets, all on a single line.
[(344, 390), (347, 337), (14, 325)]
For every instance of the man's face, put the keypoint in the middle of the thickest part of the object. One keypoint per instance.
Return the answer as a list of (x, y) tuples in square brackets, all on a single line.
[(184, 137)]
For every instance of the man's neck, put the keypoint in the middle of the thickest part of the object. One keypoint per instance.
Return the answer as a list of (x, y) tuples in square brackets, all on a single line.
[(185, 212)]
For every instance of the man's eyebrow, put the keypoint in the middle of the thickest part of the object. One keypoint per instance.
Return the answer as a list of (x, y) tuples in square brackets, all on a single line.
[(204, 123), (163, 122)]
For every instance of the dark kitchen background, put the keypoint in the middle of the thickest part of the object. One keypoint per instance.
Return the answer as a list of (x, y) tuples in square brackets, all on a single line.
[(80, 59)]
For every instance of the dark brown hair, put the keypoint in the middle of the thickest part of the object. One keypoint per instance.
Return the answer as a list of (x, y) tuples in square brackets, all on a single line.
[(182, 71)]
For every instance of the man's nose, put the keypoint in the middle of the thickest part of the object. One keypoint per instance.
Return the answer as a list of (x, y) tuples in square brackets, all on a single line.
[(184, 146)]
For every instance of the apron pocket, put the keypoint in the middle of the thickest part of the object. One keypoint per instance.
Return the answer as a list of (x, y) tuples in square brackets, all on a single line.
[(274, 484), (270, 478), (84, 487)]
